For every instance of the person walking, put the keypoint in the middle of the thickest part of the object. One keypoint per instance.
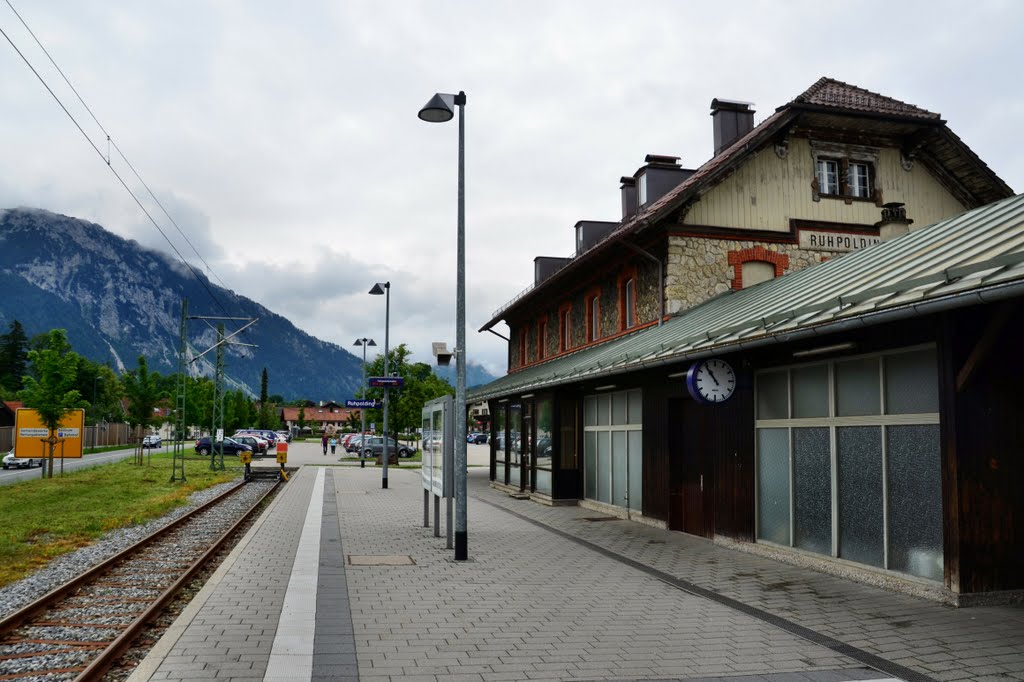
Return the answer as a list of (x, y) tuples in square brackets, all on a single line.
[(334, 444), (323, 443)]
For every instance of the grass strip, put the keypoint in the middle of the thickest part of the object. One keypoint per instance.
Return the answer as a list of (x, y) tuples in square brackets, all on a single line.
[(44, 518)]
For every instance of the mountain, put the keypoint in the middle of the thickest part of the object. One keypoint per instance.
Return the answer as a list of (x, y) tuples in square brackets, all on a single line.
[(118, 301), (476, 375)]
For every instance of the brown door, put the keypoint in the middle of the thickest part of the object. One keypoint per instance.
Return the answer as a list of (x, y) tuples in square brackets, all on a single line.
[(691, 469)]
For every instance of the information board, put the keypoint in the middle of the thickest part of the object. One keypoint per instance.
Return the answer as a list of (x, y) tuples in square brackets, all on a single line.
[(438, 469), (30, 433)]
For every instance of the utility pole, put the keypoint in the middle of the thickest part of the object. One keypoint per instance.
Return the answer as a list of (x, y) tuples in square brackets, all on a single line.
[(178, 452)]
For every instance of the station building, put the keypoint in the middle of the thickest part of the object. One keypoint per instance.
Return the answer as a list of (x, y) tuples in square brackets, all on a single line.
[(807, 347)]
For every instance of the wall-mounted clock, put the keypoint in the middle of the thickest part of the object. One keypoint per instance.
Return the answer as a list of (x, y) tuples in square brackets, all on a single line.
[(711, 381)]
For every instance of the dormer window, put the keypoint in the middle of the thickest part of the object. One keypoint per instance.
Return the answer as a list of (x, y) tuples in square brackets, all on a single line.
[(641, 185)]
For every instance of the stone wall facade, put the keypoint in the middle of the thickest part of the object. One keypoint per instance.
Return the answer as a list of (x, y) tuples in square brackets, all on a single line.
[(699, 268)]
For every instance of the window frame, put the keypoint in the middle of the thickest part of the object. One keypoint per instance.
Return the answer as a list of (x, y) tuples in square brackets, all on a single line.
[(565, 327), (845, 156), (593, 317)]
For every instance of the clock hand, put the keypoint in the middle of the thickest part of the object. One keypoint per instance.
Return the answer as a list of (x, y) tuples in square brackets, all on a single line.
[(712, 375)]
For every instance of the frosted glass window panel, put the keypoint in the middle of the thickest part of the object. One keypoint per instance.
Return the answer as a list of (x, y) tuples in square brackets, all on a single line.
[(619, 464), (860, 494), (773, 485), (604, 467), (773, 395), (618, 409), (636, 470), (590, 411), (812, 490), (810, 391), (857, 390), (911, 383), (915, 500), (636, 407), (543, 481), (590, 464), (603, 409)]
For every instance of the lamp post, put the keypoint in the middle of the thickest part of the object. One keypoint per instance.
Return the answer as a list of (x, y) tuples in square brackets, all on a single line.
[(440, 109), (364, 342), (377, 290)]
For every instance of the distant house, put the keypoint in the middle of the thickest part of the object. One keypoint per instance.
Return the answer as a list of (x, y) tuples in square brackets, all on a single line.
[(326, 416)]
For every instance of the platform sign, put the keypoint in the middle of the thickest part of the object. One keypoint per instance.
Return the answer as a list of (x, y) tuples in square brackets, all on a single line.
[(30, 432), (387, 382), (245, 457), (365, 402)]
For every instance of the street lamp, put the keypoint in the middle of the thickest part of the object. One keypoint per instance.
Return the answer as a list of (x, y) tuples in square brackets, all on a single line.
[(364, 342), (377, 290), (440, 109)]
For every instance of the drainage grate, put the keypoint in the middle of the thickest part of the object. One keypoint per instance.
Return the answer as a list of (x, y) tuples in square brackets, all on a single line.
[(600, 518), (380, 560)]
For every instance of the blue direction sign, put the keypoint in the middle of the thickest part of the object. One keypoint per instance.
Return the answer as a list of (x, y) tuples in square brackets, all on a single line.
[(368, 402), (389, 382)]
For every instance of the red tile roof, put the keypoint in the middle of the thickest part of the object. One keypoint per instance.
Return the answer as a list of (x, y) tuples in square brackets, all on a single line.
[(828, 92), (333, 415)]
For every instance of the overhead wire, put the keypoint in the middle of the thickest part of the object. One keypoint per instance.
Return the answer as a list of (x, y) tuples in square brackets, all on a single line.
[(107, 157)]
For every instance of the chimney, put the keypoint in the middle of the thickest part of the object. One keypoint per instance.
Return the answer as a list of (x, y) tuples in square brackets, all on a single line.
[(628, 189), (894, 222), (732, 120)]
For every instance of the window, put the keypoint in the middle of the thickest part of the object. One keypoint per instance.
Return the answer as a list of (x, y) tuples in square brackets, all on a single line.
[(844, 171), (522, 348), (641, 185), (542, 338), (593, 318), (613, 448), (566, 330), (630, 303), (848, 460)]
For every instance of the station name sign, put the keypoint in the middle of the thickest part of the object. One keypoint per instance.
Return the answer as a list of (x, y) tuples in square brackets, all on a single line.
[(387, 382), (814, 240), (368, 402)]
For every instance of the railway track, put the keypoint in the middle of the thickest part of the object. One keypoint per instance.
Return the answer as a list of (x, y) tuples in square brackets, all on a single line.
[(79, 629)]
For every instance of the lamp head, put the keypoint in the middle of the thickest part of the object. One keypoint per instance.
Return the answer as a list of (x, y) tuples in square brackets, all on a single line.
[(378, 288), (439, 109)]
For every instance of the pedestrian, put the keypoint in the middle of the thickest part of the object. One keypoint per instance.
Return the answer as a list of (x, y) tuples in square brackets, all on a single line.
[(334, 444), (323, 443)]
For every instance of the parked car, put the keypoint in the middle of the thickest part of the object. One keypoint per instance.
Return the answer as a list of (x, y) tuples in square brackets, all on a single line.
[(258, 445), (374, 445), (12, 461), (284, 435), (347, 438), (476, 438), (265, 434), (151, 442), (231, 446), (354, 443)]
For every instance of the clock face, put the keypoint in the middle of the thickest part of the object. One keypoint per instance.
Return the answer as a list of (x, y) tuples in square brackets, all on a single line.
[(711, 381)]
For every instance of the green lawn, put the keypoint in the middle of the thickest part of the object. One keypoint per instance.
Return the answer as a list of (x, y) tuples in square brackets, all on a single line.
[(44, 518)]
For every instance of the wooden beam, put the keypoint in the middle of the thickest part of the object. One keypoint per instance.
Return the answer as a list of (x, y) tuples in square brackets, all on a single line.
[(984, 345)]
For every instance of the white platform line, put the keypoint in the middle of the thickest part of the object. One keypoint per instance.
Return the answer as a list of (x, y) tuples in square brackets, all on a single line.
[(291, 657)]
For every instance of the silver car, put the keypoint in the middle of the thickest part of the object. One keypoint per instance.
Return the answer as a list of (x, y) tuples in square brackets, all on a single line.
[(12, 461)]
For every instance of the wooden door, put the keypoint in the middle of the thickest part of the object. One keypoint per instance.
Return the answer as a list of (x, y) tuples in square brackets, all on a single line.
[(691, 469)]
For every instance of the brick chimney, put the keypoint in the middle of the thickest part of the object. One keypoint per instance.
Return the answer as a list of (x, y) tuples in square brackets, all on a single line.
[(732, 120), (894, 222)]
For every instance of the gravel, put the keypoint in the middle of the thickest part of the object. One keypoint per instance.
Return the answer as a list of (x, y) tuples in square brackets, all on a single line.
[(68, 566)]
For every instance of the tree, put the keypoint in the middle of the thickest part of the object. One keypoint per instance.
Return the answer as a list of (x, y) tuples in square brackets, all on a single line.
[(141, 388), (406, 406), (302, 419), (50, 389), (13, 357), (266, 418)]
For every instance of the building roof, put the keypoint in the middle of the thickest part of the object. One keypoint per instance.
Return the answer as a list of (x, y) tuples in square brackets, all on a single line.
[(938, 146), (325, 413), (976, 257)]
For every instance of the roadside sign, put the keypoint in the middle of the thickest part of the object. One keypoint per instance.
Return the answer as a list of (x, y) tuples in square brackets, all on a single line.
[(387, 382), (366, 402), (220, 436), (30, 431)]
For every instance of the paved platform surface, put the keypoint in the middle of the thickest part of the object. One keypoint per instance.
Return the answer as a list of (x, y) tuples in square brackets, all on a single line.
[(311, 593)]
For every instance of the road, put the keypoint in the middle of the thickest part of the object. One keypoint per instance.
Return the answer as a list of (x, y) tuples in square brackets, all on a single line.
[(14, 475)]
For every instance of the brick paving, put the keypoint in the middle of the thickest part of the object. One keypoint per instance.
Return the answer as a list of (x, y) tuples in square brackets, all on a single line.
[(549, 596)]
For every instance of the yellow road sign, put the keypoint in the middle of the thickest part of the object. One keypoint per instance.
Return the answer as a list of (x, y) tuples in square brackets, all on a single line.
[(30, 432)]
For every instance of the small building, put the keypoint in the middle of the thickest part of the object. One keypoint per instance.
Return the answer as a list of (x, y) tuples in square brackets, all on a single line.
[(804, 347), (327, 416)]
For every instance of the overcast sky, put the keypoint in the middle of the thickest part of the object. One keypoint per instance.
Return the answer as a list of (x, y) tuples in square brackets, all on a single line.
[(283, 137)]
